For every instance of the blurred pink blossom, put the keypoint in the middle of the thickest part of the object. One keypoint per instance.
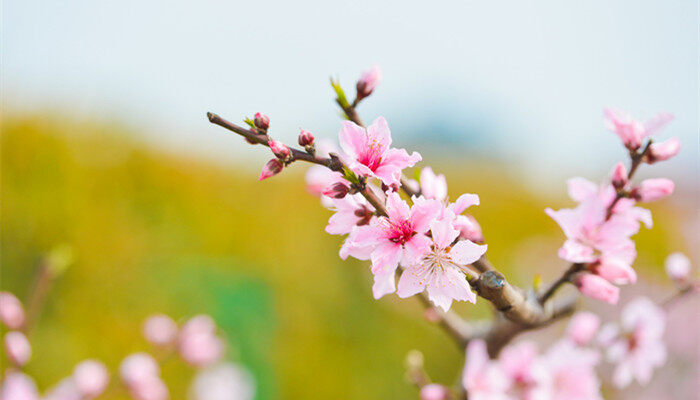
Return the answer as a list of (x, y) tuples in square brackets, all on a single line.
[(198, 343), (653, 189), (11, 311), (678, 267), (596, 287), (663, 151), (160, 330), (18, 386), (433, 391), (91, 378), (433, 186), (368, 81), (583, 327), (141, 374), (631, 131), (226, 381), (482, 377), (18, 349)]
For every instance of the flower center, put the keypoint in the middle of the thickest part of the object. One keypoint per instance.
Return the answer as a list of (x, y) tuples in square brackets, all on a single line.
[(401, 232), (372, 156)]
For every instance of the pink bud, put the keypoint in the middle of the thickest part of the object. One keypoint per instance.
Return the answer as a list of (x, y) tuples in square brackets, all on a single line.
[(149, 388), (627, 129), (368, 82), (18, 386), (678, 267), (91, 378), (18, 348), (615, 270), (11, 311), (198, 343), (337, 190), (434, 391), (663, 151), (619, 176), (652, 189), (279, 149), (583, 327), (261, 121), (160, 330), (272, 168), (306, 138), (138, 367), (597, 288)]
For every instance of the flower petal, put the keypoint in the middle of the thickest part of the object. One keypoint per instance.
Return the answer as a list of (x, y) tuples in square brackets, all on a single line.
[(466, 252)]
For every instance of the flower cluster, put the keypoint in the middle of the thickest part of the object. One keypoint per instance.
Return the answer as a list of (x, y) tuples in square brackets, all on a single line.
[(598, 230), (196, 342)]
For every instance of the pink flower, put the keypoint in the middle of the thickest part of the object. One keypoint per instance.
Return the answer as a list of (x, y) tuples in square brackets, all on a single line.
[(583, 327), (572, 372), (614, 270), (678, 267), (469, 228), (141, 374), (639, 347), (598, 288), (652, 189), (198, 343), (18, 349), (663, 151), (482, 378), (150, 388), (318, 178), (272, 168), (631, 131), (261, 121), (18, 386), (434, 391), (91, 378), (279, 149), (523, 366), (65, 389), (225, 381), (433, 186), (160, 330), (337, 190), (439, 270), (367, 152), (305, 138), (350, 211), (11, 311), (619, 176), (399, 237), (368, 82)]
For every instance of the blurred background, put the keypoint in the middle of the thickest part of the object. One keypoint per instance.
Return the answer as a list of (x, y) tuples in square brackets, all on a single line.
[(107, 154)]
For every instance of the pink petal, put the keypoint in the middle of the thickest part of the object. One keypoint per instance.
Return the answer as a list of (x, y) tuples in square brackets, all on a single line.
[(385, 258), (583, 327), (379, 134), (432, 186), (570, 221), (463, 202), (422, 213), (597, 288), (383, 284), (443, 233), (581, 188), (466, 252), (656, 123), (352, 138), (413, 280), (616, 271), (395, 160), (396, 208), (449, 285), (576, 252), (415, 249)]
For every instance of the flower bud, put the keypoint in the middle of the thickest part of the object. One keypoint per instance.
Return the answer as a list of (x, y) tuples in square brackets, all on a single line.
[(368, 81), (306, 138), (261, 121), (598, 288), (91, 378), (160, 330), (11, 311), (434, 391), (583, 327), (337, 190), (619, 176), (663, 151), (279, 149), (652, 189), (273, 167), (17, 348), (199, 345), (678, 267)]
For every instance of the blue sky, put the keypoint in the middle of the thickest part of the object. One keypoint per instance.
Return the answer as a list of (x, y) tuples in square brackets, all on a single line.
[(522, 81)]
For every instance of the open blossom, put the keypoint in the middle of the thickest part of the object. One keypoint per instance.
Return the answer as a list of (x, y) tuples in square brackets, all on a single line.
[(572, 372), (583, 327), (653, 189), (398, 237), (198, 343), (350, 211), (368, 152), (631, 131), (483, 378), (432, 186), (438, 272), (160, 330), (17, 348), (636, 346), (368, 81), (11, 311), (522, 364), (91, 378), (678, 267), (226, 381), (18, 386)]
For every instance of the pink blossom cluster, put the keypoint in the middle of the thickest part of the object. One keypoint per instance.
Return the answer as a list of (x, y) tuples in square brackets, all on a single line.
[(599, 229)]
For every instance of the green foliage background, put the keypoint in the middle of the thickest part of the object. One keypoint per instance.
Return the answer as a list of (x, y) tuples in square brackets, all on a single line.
[(156, 232)]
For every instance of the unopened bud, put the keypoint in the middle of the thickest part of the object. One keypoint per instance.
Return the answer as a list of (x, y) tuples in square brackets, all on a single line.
[(619, 176), (337, 190), (17, 348), (368, 81), (663, 151), (11, 311), (652, 189), (678, 267), (306, 138), (261, 121), (279, 149), (272, 168)]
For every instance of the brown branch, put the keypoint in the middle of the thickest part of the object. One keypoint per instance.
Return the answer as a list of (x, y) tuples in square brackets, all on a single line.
[(554, 286)]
